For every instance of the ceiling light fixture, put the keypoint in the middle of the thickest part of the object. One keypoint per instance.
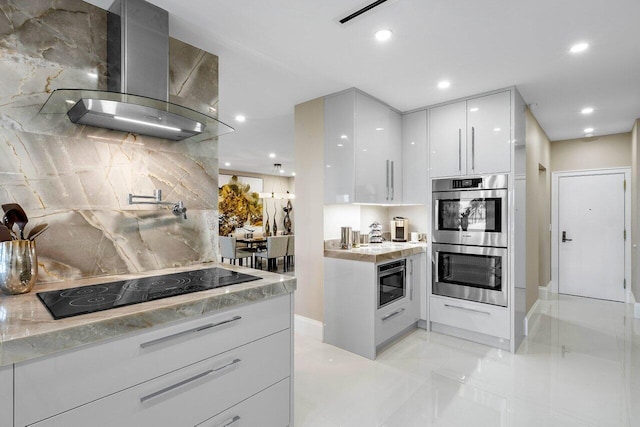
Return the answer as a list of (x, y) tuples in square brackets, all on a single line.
[(343, 136), (272, 155), (383, 35), (587, 110), (444, 84), (579, 47), (474, 109), (588, 130), (240, 118), (227, 164)]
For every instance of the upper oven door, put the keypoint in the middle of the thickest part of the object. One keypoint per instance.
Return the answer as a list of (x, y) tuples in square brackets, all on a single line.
[(473, 217)]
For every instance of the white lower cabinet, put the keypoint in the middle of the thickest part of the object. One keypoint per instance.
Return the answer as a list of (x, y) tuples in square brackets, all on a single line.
[(482, 318), (265, 409), (178, 375), (6, 395)]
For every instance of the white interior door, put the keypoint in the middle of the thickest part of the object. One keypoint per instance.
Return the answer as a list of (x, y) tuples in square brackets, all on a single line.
[(591, 245)]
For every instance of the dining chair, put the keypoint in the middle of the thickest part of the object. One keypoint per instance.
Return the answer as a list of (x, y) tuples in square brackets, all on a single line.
[(291, 251), (230, 250), (276, 248)]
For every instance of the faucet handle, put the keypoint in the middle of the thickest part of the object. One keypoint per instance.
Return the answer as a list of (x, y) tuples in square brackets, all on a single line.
[(179, 209)]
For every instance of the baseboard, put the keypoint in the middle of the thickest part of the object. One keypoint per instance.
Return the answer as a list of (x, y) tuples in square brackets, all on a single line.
[(533, 318), (308, 327), (471, 336), (543, 291)]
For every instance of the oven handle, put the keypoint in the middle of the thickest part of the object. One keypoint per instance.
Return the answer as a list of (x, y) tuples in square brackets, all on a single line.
[(386, 273), (468, 309)]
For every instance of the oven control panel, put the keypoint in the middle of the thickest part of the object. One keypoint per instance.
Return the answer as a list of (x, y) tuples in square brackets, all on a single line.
[(466, 183)]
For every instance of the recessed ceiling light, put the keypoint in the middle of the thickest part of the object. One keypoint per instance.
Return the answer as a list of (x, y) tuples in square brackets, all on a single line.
[(293, 174), (240, 118), (281, 170), (340, 145), (587, 110), (227, 164), (272, 155), (343, 136), (444, 84), (379, 128), (474, 109), (383, 35), (328, 166), (413, 143), (364, 149), (497, 129), (588, 130), (579, 47)]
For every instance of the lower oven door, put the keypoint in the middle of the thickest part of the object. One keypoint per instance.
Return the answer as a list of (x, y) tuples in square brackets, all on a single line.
[(473, 273)]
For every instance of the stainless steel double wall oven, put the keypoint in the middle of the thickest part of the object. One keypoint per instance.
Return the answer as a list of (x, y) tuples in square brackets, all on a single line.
[(470, 222)]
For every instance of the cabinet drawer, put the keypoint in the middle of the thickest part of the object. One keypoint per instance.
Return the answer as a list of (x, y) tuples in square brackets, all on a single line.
[(48, 386), (484, 318), (191, 394), (393, 319), (269, 408)]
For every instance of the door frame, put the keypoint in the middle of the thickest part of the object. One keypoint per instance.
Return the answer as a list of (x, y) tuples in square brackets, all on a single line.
[(555, 179)]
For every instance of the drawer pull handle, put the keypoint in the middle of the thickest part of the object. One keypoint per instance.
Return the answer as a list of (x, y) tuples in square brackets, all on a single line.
[(468, 309), (390, 315), (189, 331), (230, 422), (187, 381)]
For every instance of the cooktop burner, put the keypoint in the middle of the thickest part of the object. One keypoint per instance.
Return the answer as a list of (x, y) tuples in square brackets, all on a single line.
[(88, 299)]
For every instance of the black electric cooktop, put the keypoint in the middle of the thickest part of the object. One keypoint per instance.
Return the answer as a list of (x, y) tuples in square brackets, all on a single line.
[(88, 299)]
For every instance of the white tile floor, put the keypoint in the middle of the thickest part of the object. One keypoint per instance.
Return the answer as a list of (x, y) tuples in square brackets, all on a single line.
[(580, 366)]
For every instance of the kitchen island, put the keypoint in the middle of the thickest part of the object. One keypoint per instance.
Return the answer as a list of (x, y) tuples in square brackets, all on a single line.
[(373, 294), (203, 357)]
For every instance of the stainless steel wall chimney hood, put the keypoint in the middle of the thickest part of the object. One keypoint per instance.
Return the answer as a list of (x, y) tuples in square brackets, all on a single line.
[(138, 82)]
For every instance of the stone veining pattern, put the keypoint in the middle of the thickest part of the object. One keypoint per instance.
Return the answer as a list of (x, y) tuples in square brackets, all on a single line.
[(77, 178)]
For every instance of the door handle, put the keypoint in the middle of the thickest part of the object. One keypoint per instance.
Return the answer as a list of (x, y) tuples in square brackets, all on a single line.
[(460, 149), (473, 149), (387, 194), (564, 237)]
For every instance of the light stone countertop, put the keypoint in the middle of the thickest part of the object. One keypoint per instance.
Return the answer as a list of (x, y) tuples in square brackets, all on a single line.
[(375, 252), (27, 330)]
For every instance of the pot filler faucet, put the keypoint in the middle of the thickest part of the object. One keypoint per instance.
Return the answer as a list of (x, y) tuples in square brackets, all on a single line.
[(178, 207)]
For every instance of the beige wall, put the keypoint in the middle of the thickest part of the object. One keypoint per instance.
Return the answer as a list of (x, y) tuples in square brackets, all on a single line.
[(635, 222), (308, 148), (538, 196), (609, 151)]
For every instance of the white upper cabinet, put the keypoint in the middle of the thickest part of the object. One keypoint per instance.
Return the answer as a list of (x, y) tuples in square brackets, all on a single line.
[(362, 150), (339, 148), (471, 137), (415, 162)]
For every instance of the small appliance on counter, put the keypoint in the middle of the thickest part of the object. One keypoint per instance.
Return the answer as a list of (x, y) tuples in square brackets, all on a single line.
[(399, 229), (375, 235)]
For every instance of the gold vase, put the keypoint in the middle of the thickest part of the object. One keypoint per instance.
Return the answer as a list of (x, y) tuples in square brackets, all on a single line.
[(18, 266)]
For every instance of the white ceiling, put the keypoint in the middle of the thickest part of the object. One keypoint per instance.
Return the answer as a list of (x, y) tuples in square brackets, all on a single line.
[(276, 54)]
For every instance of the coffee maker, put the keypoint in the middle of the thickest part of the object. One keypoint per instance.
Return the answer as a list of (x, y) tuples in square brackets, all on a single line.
[(399, 229)]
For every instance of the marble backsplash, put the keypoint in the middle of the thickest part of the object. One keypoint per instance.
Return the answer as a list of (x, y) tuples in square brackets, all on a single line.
[(77, 178)]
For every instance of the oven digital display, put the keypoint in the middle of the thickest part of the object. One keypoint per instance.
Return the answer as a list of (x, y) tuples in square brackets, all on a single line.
[(466, 183)]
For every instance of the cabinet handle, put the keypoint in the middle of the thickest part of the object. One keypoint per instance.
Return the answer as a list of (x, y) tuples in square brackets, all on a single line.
[(187, 381), (390, 315), (468, 309), (460, 149), (411, 282), (189, 331), (393, 186), (230, 421), (387, 195), (473, 148)]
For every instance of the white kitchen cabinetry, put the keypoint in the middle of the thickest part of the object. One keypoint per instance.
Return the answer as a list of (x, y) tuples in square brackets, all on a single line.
[(192, 370), (471, 137), (486, 319), (6, 395), (262, 410), (352, 319), (362, 150), (417, 282), (415, 163)]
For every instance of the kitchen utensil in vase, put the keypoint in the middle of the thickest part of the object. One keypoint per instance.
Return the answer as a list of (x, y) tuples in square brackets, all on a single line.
[(37, 230), (18, 266), (5, 234), (16, 214)]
